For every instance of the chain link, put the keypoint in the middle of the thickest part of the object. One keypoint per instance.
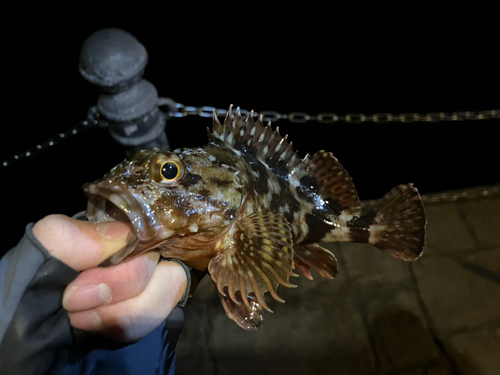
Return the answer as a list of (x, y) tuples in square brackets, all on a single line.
[(180, 110), (454, 195), (177, 110), (465, 194), (93, 119)]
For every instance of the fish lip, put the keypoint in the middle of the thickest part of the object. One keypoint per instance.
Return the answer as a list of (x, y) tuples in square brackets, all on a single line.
[(130, 206)]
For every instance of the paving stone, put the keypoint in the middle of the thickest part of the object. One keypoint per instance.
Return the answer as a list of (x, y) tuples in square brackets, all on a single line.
[(489, 260), (441, 367), (318, 330), (446, 231), (456, 297), (400, 334), (385, 290), (476, 353), (484, 217), (195, 349), (366, 264), (414, 371)]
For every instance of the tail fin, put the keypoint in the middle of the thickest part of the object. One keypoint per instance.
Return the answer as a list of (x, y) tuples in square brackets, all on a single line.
[(397, 223)]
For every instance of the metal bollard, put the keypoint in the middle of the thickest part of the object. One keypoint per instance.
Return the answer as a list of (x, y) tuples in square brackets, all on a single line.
[(114, 60)]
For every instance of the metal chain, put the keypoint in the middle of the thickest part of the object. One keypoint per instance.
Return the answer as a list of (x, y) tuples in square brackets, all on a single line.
[(93, 119), (454, 195), (176, 110), (457, 195)]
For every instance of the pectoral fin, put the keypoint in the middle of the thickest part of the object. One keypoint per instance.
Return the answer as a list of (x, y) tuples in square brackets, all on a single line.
[(257, 256), (247, 318)]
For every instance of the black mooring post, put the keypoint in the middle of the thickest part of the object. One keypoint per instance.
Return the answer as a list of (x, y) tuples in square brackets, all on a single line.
[(114, 60)]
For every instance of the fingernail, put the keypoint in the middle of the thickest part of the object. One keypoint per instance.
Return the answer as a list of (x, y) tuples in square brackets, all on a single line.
[(116, 235), (78, 298), (89, 320), (97, 321), (114, 230)]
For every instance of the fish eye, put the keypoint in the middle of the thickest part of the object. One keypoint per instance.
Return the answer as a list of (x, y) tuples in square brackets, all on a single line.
[(170, 171), (167, 170)]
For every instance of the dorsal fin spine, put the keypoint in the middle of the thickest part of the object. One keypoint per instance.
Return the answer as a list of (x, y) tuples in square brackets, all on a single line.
[(229, 115), (255, 137)]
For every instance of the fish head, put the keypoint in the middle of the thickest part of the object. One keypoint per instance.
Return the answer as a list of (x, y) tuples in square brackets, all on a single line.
[(166, 195)]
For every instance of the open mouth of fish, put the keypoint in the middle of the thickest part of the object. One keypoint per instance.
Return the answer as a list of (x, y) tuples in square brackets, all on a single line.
[(106, 205)]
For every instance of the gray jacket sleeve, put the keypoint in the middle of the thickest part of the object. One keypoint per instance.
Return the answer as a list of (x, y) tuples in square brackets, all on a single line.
[(34, 328), (35, 333)]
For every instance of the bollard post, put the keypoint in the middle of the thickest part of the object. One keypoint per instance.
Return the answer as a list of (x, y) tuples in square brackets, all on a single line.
[(114, 60)]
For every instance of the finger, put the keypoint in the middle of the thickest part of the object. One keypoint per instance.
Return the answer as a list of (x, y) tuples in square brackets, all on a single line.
[(132, 319), (98, 286), (81, 244)]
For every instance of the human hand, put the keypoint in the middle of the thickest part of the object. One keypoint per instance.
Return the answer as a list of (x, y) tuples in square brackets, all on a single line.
[(124, 302)]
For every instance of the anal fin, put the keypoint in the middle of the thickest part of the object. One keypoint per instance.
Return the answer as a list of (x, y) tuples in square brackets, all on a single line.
[(316, 257)]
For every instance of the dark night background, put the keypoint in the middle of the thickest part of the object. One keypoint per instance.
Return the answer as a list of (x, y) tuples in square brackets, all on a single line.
[(281, 57)]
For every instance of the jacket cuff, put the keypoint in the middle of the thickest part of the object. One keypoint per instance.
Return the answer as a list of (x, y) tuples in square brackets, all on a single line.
[(187, 269)]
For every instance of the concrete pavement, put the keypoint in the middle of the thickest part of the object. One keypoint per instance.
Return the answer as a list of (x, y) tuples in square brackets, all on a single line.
[(439, 315)]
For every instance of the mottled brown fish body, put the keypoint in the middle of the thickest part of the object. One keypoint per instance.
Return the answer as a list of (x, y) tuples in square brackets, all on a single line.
[(246, 209)]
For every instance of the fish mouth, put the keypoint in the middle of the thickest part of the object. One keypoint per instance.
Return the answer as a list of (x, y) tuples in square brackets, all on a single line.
[(108, 204)]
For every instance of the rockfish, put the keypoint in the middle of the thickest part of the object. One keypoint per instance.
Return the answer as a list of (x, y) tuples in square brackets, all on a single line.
[(246, 209)]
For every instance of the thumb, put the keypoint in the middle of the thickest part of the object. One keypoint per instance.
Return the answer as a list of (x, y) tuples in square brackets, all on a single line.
[(81, 244)]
